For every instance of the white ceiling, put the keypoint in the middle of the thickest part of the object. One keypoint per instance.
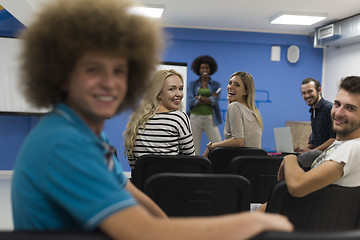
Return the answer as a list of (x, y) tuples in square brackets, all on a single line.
[(242, 15)]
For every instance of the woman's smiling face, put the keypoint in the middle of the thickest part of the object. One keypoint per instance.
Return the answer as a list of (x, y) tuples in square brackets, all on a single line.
[(172, 93), (205, 70), (236, 90)]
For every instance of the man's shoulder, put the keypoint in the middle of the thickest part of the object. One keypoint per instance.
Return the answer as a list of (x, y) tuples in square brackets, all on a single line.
[(325, 103), (352, 145), (354, 141), (54, 129), (59, 126)]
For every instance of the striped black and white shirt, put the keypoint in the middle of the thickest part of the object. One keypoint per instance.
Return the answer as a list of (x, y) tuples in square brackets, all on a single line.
[(164, 134)]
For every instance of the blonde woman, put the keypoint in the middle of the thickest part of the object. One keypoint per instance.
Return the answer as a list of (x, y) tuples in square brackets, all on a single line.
[(243, 125), (158, 126)]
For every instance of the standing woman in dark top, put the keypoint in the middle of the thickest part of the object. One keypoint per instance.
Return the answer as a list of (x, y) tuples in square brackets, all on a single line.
[(203, 98)]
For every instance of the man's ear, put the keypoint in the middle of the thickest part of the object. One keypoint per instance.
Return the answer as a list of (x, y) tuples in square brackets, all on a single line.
[(319, 89)]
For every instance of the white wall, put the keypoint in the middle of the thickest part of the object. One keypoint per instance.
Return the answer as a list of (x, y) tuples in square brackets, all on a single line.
[(338, 63), (11, 96), (6, 222)]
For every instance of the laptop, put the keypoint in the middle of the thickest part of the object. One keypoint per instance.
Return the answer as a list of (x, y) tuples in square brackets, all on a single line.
[(283, 140)]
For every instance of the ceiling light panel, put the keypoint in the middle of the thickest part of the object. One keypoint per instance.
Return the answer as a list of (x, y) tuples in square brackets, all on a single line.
[(297, 18), (150, 11)]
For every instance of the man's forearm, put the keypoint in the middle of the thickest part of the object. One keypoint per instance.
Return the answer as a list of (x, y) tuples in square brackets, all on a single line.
[(293, 172)]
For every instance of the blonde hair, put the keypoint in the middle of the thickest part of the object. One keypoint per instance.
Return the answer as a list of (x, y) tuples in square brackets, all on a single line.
[(250, 97), (147, 108)]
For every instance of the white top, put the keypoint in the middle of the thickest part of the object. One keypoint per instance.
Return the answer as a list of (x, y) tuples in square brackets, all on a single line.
[(241, 123), (347, 152)]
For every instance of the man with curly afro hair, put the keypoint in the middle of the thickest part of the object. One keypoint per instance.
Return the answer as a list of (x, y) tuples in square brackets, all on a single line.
[(87, 60)]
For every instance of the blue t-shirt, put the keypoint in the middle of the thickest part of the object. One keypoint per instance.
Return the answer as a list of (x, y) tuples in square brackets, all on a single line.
[(64, 177)]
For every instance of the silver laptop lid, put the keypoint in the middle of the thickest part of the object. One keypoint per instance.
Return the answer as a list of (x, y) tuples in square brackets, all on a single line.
[(283, 140)]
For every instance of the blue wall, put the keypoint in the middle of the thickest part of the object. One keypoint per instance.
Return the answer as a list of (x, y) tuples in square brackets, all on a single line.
[(277, 83)]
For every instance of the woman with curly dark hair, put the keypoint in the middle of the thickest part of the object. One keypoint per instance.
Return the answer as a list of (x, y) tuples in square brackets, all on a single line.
[(203, 99)]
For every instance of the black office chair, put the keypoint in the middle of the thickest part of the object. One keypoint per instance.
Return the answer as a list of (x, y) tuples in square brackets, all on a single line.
[(261, 171), (53, 235), (221, 157), (332, 208), (187, 194), (304, 235), (148, 165)]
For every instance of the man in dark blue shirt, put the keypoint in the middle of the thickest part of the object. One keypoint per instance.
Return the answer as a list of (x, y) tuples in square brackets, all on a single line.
[(322, 135)]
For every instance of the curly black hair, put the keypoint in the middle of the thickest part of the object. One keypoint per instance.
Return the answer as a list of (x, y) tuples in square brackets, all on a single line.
[(67, 29), (195, 66)]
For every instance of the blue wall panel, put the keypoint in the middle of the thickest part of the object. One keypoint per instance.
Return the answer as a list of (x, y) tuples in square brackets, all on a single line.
[(13, 130)]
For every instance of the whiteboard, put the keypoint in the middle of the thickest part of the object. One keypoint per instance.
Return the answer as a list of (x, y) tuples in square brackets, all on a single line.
[(12, 99)]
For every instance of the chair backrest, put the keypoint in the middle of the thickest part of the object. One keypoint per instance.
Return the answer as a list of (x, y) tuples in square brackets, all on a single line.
[(221, 157), (183, 194), (53, 235), (328, 209), (148, 165), (261, 171), (305, 235)]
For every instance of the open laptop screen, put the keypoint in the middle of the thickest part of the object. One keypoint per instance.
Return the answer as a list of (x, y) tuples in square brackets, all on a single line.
[(283, 140)]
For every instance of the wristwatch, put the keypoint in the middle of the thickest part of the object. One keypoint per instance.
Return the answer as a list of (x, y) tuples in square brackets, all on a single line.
[(209, 145)]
